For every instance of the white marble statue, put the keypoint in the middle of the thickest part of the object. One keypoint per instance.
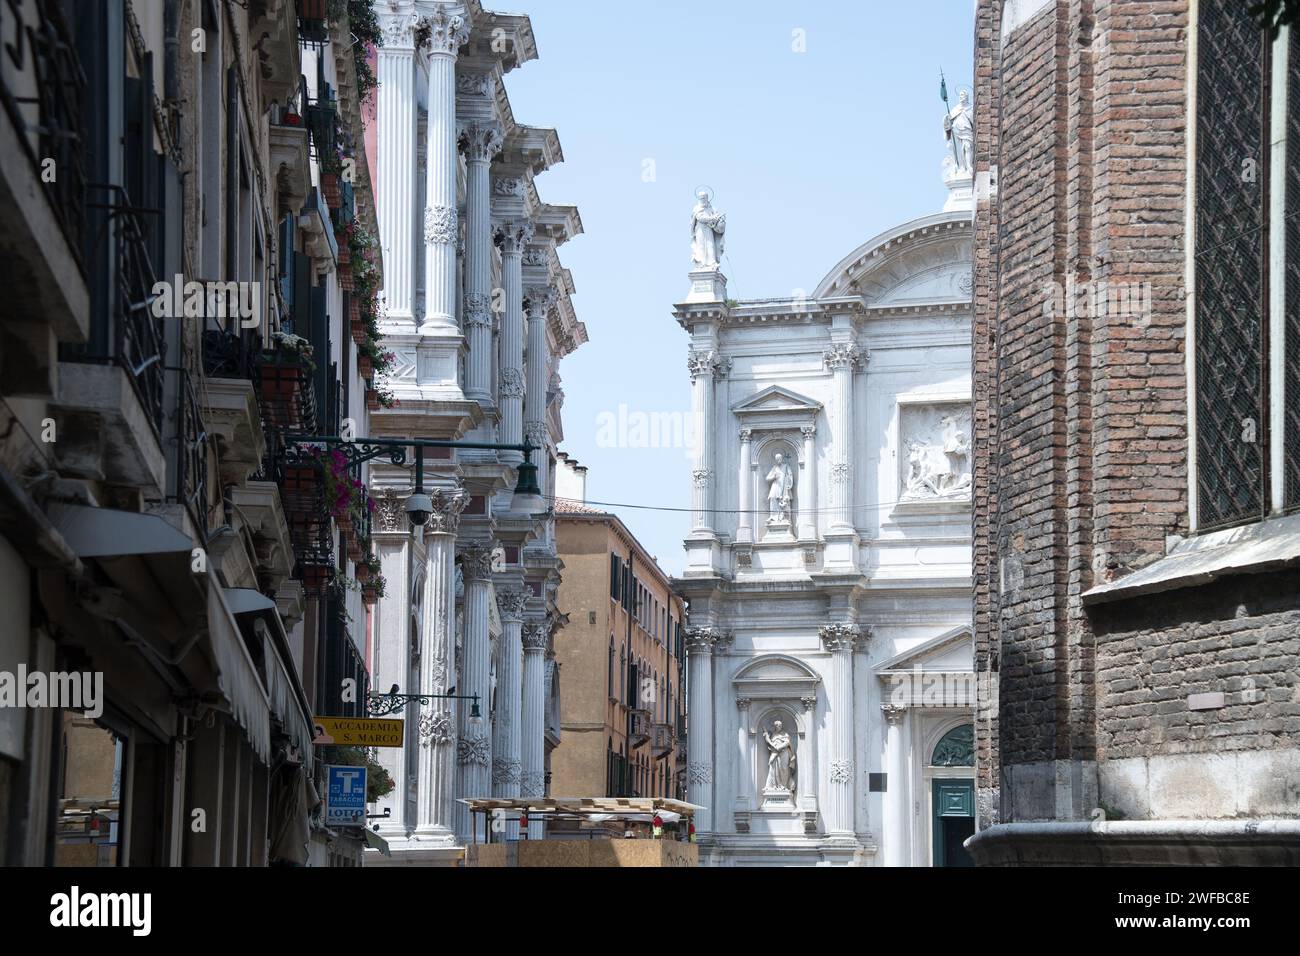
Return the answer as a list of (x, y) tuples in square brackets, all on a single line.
[(780, 488), (938, 469), (708, 229), (780, 760), (959, 128), (956, 448)]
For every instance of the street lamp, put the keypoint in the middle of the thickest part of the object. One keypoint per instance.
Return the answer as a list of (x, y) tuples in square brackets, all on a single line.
[(394, 702)]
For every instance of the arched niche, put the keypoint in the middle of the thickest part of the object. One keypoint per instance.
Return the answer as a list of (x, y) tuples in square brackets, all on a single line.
[(768, 688)]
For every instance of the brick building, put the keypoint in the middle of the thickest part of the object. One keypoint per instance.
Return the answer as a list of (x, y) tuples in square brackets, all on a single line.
[(1136, 340)]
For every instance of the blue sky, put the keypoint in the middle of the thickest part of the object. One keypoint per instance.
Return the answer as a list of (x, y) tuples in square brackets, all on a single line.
[(809, 154)]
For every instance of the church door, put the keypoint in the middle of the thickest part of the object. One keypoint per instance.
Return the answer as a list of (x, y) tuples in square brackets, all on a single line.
[(954, 821)]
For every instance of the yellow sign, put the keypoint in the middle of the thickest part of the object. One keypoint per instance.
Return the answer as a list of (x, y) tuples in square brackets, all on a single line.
[(357, 731)]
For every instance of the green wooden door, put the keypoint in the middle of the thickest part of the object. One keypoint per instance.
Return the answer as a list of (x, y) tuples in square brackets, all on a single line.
[(954, 821)]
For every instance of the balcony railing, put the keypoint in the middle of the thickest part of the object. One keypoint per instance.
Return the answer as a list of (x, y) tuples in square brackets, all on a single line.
[(45, 105), (229, 355), (662, 740), (192, 455), (134, 339), (639, 727)]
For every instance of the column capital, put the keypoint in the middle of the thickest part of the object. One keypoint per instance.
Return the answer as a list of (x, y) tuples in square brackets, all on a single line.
[(441, 33), (538, 300), (704, 638), (448, 503), (536, 636), (476, 561), (480, 140), (390, 513), (842, 636), (513, 235), (843, 355), (893, 713), (808, 430), (398, 30), (746, 436), (511, 603), (700, 361)]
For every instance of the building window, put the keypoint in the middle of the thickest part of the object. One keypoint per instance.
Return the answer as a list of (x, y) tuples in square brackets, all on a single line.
[(1247, 355), (609, 677)]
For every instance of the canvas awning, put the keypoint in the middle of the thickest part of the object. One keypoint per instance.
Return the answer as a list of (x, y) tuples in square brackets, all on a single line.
[(237, 677), (283, 687)]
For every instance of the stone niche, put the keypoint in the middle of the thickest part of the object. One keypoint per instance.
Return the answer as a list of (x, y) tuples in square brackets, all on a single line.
[(934, 455)]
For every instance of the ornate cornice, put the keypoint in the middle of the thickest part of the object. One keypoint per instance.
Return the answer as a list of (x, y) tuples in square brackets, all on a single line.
[(480, 142)]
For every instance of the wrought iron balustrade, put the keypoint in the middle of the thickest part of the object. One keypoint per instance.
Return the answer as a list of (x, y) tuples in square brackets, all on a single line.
[(229, 355), (192, 455), (49, 122)]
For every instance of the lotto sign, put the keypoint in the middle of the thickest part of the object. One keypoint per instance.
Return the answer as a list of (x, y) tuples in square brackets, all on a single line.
[(345, 800)]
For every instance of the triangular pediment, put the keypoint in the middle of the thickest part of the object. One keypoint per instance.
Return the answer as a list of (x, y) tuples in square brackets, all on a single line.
[(951, 652), (776, 399)]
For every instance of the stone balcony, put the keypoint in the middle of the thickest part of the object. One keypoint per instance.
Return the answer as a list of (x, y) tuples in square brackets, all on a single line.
[(104, 431)]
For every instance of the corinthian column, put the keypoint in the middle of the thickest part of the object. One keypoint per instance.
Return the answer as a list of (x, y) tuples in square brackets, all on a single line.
[(397, 148), (532, 779), (842, 358), (706, 367), (896, 787), (481, 142), (512, 238), (808, 486), (441, 343), (474, 745), (700, 642), (538, 302), (436, 779), (840, 639), (391, 661), (745, 524), (506, 751)]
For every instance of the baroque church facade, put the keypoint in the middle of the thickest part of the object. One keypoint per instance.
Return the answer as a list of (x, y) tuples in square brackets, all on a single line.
[(830, 689)]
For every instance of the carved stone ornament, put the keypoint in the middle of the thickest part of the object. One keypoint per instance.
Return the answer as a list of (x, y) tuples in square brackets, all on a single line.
[(511, 603), (474, 750), (535, 257), (389, 512), (699, 773), (397, 29), (447, 506), (700, 361), (508, 186), (476, 562), (841, 771), (512, 383), (842, 355), (536, 637), (440, 225), (442, 32), (436, 728), (478, 309), (481, 142), (705, 638), (514, 235), (474, 84), (505, 772), (840, 636)]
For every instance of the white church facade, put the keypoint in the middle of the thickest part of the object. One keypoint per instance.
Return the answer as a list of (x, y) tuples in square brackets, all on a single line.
[(830, 686)]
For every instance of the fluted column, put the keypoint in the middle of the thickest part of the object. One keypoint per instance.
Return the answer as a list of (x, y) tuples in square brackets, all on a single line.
[(438, 366), (896, 787), (746, 779), (436, 779), (705, 367), (397, 126), (538, 301), (840, 639), (808, 486), (474, 744), (506, 722), (745, 525), (700, 643), (391, 659), (532, 779), (481, 142), (842, 358), (512, 237)]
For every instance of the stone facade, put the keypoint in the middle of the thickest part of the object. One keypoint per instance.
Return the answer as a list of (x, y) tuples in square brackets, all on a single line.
[(1136, 678)]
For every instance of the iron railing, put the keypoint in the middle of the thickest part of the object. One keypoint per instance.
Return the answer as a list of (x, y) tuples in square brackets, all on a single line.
[(229, 355), (192, 455), (49, 123)]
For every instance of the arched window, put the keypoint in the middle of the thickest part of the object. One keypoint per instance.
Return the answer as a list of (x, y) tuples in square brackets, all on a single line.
[(622, 669), (956, 748), (610, 668)]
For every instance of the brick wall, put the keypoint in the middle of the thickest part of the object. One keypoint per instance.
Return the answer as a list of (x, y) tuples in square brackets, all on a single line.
[(1080, 412)]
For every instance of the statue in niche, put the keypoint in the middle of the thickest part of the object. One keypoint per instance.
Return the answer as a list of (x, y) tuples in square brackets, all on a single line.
[(781, 771), (708, 229), (780, 489), (956, 448), (959, 128)]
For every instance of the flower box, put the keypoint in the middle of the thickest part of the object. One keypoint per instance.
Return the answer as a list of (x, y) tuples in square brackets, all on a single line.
[(372, 399), (316, 577), (329, 187), (364, 367), (360, 333), (369, 594), (345, 278), (362, 572)]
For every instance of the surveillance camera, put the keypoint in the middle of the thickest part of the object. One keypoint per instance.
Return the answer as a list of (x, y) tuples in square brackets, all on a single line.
[(418, 508)]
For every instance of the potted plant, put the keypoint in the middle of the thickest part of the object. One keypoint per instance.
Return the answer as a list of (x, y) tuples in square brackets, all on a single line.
[(364, 368), (282, 365), (373, 589)]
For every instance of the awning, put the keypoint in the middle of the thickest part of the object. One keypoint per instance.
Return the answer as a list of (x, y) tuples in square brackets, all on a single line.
[(283, 688), (237, 677), (376, 842)]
